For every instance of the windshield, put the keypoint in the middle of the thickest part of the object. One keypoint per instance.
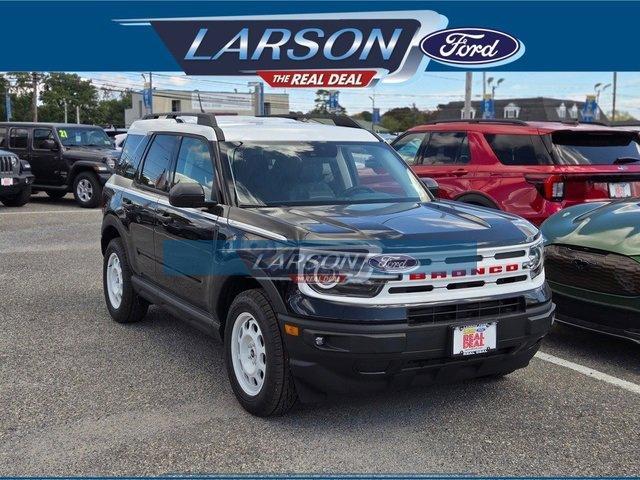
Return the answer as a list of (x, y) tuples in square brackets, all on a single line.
[(83, 137), (595, 148), (320, 173)]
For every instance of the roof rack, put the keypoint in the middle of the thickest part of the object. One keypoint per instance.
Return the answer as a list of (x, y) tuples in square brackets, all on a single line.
[(206, 119), (338, 120), (481, 120)]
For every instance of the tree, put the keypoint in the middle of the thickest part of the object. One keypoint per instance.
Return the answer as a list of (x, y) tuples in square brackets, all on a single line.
[(403, 118), (364, 115), (322, 104), (59, 88)]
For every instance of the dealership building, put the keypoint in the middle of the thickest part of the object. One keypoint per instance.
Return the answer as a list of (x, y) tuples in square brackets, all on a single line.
[(220, 103)]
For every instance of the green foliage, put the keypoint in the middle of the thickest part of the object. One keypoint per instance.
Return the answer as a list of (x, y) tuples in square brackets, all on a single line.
[(56, 89), (322, 104), (403, 118)]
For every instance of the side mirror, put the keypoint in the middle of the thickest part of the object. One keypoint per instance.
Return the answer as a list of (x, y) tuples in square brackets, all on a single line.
[(49, 144), (188, 195), (431, 185)]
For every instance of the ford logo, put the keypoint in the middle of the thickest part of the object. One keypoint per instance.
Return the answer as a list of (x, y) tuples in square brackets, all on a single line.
[(466, 47), (393, 263)]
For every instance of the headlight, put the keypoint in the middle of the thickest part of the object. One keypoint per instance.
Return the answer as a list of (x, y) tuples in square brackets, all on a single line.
[(536, 259), (14, 161), (528, 228), (111, 163)]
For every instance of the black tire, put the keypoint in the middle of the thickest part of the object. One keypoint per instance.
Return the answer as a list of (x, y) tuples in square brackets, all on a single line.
[(278, 393), (56, 194), (19, 199), (93, 200), (132, 307)]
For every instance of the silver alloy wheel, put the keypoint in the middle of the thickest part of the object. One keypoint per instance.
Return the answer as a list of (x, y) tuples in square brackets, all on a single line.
[(248, 354), (84, 190), (114, 280)]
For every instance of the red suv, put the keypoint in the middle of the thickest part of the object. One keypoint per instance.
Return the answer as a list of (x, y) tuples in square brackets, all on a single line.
[(532, 169)]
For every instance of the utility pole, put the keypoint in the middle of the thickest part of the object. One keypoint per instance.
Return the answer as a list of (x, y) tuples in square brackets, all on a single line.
[(467, 95), (484, 85), (78, 114), (151, 91), (373, 109), (66, 112), (259, 97), (34, 77), (615, 91)]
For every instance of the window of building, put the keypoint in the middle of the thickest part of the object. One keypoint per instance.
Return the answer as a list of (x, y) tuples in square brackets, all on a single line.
[(472, 114), (573, 112), (18, 138), (511, 111), (562, 111), (157, 163), (175, 106), (194, 165)]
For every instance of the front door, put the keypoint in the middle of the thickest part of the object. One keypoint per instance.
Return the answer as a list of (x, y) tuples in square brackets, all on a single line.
[(185, 237), (46, 164)]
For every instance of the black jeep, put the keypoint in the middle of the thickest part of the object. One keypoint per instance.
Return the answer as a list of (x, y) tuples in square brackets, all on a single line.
[(317, 255), (15, 179), (63, 157)]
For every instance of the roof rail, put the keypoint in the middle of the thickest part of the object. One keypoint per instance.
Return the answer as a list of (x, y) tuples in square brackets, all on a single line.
[(338, 120), (206, 119), (481, 120)]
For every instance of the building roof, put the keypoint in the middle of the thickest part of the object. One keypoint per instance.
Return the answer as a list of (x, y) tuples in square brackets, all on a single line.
[(531, 109), (257, 129)]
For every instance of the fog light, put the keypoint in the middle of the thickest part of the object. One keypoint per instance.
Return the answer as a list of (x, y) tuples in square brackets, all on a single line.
[(319, 341)]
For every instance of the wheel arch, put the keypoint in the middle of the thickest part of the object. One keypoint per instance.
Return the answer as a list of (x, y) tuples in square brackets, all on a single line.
[(478, 198)]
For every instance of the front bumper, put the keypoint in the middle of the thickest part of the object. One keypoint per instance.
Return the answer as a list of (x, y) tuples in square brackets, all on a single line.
[(19, 183), (615, 315), (359, 358), (103, 177)]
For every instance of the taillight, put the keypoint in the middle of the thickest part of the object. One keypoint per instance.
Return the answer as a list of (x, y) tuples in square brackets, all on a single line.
[(551, 187)]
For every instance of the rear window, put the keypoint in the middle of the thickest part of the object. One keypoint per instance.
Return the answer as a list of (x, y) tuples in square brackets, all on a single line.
[(576, 148), (519, 149)]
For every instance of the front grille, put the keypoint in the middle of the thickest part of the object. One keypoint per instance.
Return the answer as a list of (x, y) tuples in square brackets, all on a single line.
[(5, 164), (465, 310), (593, 270), (595, 313)]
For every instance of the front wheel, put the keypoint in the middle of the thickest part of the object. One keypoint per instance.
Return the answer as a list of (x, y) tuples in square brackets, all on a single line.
[(87, 190), (257, 363), (19, 199)]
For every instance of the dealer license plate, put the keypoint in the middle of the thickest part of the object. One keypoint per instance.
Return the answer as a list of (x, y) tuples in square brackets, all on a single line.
[(620, 190), (6, 181), (472, 339)]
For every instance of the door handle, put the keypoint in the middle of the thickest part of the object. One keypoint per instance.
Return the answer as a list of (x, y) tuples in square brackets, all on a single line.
[(460, 171), (126, 201)]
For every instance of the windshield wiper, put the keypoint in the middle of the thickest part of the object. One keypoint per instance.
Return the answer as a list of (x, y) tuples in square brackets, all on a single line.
[(621, 160)]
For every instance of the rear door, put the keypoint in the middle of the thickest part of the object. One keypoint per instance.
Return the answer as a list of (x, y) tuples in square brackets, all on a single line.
[(19, 143), (445, 157)]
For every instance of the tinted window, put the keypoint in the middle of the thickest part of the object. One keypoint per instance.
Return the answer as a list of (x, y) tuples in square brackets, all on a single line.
[(40, 135), (574, 148), (131, 155), (3, 137), (18, 138), (194, 164), (519, 149), (446, 148), (84, 137), (408, 146), (157, 164)]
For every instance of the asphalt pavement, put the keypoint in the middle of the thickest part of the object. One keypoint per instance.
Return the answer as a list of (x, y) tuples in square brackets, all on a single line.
[(83, 395)]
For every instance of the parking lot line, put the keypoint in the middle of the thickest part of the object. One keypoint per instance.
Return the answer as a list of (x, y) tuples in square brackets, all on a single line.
[(589, 372), (42, 212)]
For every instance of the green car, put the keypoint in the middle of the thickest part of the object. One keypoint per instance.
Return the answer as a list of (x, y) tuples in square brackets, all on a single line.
[(593, 266)]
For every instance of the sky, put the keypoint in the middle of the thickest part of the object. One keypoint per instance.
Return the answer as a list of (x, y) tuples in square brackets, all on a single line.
[(426, 91)]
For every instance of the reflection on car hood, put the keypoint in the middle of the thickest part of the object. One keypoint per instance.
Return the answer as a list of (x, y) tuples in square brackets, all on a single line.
[(611, 226), (404, 225), (93, 154)]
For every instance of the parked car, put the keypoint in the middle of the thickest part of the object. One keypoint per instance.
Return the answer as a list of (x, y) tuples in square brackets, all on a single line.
[(118, 141), (593, 266), (63, 157), (532, 169), (15, 179), (301, 246)]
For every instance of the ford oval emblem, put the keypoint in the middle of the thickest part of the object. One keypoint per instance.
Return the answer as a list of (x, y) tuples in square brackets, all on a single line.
[(469, 47), (393, 263)]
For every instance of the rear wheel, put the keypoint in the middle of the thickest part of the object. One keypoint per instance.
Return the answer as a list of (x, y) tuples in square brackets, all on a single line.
[(123, 303), (87, 190), (56, 194), (19, 199), (257, 364)]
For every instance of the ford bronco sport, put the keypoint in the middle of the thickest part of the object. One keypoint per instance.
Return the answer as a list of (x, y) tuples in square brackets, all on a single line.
[(64, 158), (318, 257), (15, 179)]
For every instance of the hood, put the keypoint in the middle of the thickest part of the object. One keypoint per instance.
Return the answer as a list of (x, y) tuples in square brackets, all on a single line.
[(406, 225), (610, 226), (92, 154)]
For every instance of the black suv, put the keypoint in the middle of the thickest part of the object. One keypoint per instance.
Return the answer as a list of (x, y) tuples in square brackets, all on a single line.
[(15, 179), (63, 157), (318, 257)]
